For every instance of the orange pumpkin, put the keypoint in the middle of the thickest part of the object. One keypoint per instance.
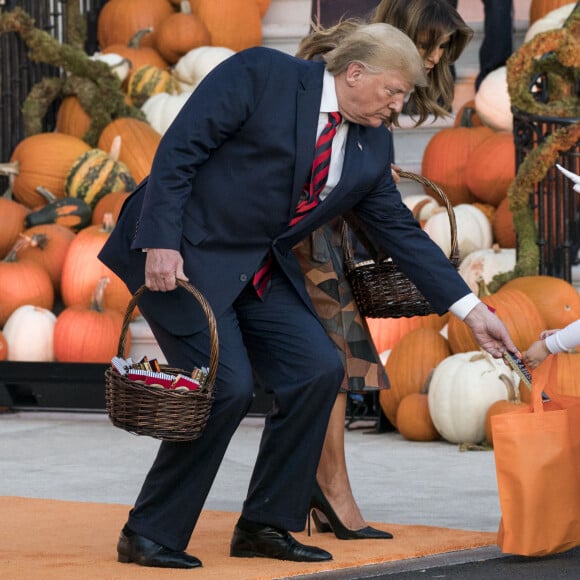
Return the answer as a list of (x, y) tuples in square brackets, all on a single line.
[(3, 347), (71, 118), (263, 6), (491, 168), (467, 116), (12, 216), (502, 225), (408, 366), (539, 8), (119, 20), (525, 393), (557, 301), (516, 310), (559, 373), (235, 24), (44, 159), (88, 334), (180, 33), (386, 332), (446, 157), (48, 248), (110, 203), (139, 142), (414, 420), (23, 282), (136, 54), (513, 404), (82, 270), (487, 209)]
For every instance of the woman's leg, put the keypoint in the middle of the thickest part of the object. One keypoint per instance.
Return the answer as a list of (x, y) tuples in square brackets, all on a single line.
[(332, 474)]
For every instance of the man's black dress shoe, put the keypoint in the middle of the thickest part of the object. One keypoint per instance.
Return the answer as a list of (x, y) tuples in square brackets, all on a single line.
[(269, 542), (145, 552)]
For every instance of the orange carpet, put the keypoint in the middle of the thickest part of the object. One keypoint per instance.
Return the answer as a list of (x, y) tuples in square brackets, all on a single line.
[(63, 540)]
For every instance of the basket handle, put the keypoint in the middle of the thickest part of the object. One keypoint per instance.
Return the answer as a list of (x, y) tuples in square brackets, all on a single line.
[(213, 337), (454, 251)]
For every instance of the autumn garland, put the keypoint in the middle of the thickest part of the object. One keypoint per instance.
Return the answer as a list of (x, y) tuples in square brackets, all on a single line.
[(532, 170), (92, 82), (561, 63)]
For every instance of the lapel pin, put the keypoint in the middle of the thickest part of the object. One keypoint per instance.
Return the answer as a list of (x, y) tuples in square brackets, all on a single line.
[(359, 145)]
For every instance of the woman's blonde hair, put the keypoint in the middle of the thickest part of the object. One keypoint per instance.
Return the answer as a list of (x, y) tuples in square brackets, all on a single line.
[(378, 47), (425, 22)]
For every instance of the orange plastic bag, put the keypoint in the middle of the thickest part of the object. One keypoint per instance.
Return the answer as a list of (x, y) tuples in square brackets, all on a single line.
[(537, 459)]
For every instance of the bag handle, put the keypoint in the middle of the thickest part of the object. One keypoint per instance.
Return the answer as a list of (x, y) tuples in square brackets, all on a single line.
[(454, 250), (537, 403)]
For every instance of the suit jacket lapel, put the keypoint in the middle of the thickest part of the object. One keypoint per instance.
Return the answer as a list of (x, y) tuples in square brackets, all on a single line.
[(307, 112), (353, 162)]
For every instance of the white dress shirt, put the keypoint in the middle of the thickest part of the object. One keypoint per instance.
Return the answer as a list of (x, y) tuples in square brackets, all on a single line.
[(565, 339), (329, 104)]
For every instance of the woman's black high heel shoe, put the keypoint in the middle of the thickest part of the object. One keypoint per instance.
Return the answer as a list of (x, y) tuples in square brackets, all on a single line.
[(319, 502), (321, 527)]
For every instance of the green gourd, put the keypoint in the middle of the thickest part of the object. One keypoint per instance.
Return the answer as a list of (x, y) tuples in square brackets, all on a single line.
[(71, 212)]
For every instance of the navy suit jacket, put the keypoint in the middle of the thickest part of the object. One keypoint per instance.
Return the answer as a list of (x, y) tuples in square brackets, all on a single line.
[(226, 179)]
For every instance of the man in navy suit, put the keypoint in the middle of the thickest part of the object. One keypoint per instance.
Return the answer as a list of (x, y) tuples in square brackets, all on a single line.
[(219, 201)]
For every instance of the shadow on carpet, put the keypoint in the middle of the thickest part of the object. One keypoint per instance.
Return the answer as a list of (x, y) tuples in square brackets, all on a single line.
[(64, 540)]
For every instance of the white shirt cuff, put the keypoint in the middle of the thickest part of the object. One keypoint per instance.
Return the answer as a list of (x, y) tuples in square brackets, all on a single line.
[(462, 307)]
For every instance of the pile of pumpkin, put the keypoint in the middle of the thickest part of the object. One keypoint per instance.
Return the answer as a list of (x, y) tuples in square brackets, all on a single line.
[(474, 164), (57, 301), (164, 48), (444, 386)]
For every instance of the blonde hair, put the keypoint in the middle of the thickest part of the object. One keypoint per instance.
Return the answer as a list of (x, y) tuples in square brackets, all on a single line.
[(379, 47)]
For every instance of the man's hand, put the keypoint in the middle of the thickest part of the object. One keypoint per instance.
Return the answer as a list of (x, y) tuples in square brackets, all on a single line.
[(490, 332), (162, 268)]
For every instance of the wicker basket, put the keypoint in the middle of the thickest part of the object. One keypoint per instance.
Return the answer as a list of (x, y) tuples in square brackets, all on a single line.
[(380, 289), (161, 413)]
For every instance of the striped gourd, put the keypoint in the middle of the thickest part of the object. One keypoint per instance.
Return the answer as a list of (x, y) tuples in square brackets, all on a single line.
[(96, 173), (148, 80)]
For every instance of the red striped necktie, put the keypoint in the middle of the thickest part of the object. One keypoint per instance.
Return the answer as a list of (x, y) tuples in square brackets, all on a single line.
[(310, 197)]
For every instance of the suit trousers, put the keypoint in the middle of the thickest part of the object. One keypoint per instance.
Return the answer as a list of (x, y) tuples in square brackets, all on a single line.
[(281, 345)]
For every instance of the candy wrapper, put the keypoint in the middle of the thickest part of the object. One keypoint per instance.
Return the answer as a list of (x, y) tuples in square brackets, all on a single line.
[(150, 373)]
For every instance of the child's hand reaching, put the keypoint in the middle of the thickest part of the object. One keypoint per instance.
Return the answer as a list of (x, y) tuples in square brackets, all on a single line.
[(537, 352)]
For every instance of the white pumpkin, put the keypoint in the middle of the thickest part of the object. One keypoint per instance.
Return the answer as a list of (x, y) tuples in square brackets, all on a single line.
[(461, 389), (29, 334), (493, 103), (486, 264), (117, 63), (193, 66), (161, 109), (550, 21), (474, 230), (421, 205)]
